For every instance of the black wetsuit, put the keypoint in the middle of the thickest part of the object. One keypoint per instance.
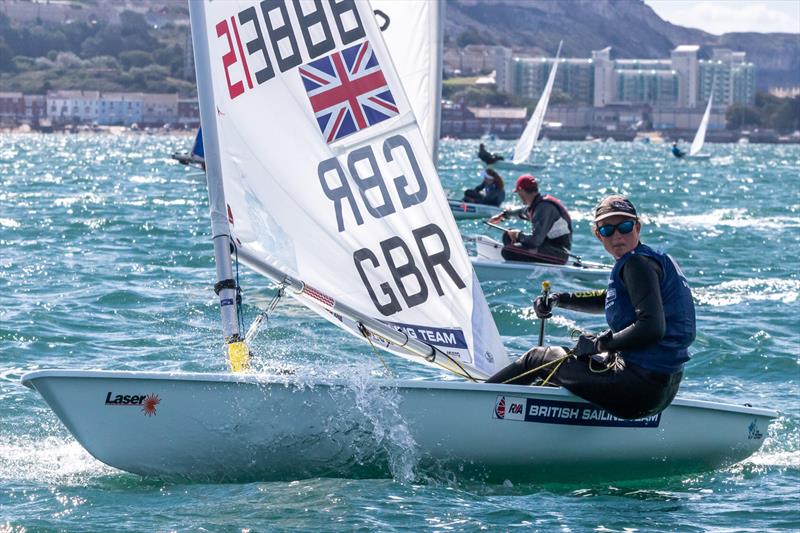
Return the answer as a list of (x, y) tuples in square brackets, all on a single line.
[(488, 157), (625, 390), (485, 194)]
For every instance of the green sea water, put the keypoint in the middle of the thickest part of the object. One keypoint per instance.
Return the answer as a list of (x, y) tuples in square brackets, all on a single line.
[(106, 262)]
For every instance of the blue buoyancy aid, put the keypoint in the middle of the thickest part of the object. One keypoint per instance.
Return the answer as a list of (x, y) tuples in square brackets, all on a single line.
[(494, 195), (670, 353)]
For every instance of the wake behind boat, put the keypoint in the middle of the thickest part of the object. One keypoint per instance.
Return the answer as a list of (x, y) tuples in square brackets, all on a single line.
[(224, 427), (490, 265)]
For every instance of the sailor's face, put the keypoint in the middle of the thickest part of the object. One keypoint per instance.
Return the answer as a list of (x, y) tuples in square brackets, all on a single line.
[(619, 244)]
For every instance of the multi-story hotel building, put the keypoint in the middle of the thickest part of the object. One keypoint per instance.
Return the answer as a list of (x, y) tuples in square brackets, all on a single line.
[(683, 81)]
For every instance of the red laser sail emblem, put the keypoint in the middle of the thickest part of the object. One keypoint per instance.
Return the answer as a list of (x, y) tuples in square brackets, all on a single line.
[(149, 404)]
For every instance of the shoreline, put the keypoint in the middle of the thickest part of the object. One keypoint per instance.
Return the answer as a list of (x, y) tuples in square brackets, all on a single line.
[(650, 137)]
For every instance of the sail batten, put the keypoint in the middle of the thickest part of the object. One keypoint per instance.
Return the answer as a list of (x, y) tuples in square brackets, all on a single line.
[(327, 179), (527, 140)]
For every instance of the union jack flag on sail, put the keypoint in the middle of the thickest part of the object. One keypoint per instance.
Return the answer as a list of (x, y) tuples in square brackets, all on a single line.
[(347, 91)]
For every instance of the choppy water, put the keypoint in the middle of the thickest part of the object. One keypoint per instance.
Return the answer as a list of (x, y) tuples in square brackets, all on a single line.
[(106, 262)]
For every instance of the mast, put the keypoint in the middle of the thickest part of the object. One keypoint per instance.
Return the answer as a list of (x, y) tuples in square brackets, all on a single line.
[(225, 286), (436, 76)]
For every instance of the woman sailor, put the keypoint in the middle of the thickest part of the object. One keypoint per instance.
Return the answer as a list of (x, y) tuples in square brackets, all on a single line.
[(648, 306)]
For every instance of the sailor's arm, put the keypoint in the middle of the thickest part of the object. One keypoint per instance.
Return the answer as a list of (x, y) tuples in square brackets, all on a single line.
[(586, 302), (508, 213)]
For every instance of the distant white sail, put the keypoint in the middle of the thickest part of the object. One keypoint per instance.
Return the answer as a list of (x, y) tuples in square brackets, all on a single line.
[(327, 177), (414, 35), (700, 136), (525, 143)]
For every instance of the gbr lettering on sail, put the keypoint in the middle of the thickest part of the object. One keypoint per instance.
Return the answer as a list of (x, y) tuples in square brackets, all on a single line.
[(367, 185)]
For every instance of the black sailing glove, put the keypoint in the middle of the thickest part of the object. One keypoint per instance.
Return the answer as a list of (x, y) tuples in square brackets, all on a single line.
[(587, 345), (591, 344), (603, 341), (544, 307)]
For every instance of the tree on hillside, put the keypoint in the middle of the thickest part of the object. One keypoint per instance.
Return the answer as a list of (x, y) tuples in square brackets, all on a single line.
[(133, 33), (171, 57), (740, 116), (771, 112), (6, 57), (135, 58), (787, 115)]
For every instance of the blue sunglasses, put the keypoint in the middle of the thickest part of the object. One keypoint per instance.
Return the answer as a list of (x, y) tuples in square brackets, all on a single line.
[(623, 227)]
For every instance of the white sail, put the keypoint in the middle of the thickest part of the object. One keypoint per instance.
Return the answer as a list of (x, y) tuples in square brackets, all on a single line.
[(525, 143), (414, 35), (700, 136), (326, 175)]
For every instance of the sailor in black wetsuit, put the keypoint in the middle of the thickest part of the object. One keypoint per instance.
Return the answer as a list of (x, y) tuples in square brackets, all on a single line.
[(648, 306), (677, 152), (488, 157)]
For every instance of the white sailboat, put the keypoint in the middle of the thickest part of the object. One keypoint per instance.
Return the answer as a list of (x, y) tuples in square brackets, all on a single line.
[(490, 265), (700, 136), (353, 222), (526, 142)]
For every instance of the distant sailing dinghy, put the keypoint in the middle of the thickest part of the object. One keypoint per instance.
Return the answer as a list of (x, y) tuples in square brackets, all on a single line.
[(195, 158), (348, 215), (522, 151), (700, 136)]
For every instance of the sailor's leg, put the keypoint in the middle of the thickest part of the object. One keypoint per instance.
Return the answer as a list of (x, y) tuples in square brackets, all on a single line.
[(623, 390), (519, 372)]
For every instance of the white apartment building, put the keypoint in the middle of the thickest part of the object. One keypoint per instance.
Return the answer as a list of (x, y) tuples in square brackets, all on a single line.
[(681, 82), (73, 106), (121, 109), (112, 108), (159, 109)]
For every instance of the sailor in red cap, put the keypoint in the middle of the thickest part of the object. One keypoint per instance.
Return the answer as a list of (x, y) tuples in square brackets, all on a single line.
[(550, 239)]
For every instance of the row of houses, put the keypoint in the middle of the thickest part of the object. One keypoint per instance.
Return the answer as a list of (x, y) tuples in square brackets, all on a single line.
[(101, 108)]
